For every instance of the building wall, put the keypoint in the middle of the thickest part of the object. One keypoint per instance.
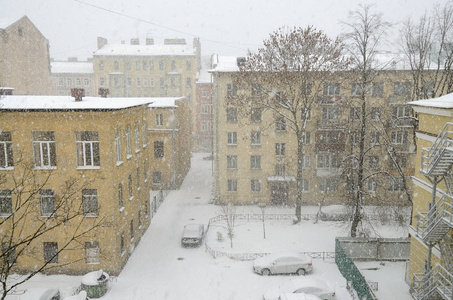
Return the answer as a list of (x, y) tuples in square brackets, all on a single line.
[(65, 80), (115, 220), (204, 118), (24, 59), (270, 180)]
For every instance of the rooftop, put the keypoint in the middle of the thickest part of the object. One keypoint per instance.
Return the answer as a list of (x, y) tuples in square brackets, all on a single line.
[(445, 101), (79, 67), (145, 50)]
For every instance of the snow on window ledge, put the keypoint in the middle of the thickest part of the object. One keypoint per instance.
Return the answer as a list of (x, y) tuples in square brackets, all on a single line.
[(129, 156), (7, 169), (88, 168), (119, 163), (121, 208)]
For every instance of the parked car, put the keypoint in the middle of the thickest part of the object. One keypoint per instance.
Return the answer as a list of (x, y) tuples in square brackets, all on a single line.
[(283, 263), (298, 296), (192, 235), (311, 285)]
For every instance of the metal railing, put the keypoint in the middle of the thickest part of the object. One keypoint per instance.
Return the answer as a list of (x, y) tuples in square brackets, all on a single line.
[(440, 214), (430, 156), (438, 281)]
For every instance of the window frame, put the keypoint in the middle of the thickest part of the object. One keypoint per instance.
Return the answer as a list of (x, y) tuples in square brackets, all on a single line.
[(6, 150), (90, 202), (44, 150), (84, 139)]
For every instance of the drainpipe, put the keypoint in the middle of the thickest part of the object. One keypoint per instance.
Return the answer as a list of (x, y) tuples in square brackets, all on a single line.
[(217, 191), (173, 182), (433, 201)]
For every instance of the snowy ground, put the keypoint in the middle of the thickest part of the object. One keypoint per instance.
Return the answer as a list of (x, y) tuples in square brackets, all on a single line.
[(160, 268)]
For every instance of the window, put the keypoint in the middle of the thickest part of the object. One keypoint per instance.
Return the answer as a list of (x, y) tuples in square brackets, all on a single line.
[(116, 82), (428, 89), (374, 138), (280, 124), (255, 138), (328, 161), (120, 195), (188, 82), (129, 81), (90, 202), (401, 112), (255, 185), (231, 90), (6, 150), (78, 81), (306, 161), (372, 185), (188, 65), (373, 162), (137, 137), (355, 113), (145, 171), (232, 138), (328, 185), (396, 185), (206, 109), (232, 161), (138, 178), (402, 88), (330, 113), (69, 82), (87, 145), (159, 120), (20, 31), (47, 198), (203, 93), (255, 115), (6, 203), (50, 252), (128, 141), (139, 217), (157, 177), (161, 65), (138, 81), (305, 185), (131, 193), (102, 81), (132, 229), (172, 81), (329, 137), (376, 113), (306, 137), (161, 82), (377, 89), (61, 81), (205, 125), (232, 185), (86, 82), (116, 65), (101, 65), (137, 65), (158, 149), (151, 82), (256, 90), (400, 160), (331, 89), (354, 137), (122, 244), (399, 137), (173, 64), (92, 252), (118, 146), (128, 65), (280, 149), (151, 65), (232, 114), (255, 162), (356, 89), (144, 65), (280, 170), (144, 131)]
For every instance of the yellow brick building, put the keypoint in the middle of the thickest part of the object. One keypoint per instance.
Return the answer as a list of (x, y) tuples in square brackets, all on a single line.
[(103, 142), (255, 159), (431, 257), (24, 58)]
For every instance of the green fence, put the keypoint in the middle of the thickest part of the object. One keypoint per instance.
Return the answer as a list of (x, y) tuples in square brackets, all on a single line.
[(351, 273)]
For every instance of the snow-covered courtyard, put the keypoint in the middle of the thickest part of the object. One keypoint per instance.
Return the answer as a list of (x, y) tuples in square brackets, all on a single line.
[(160, 268)]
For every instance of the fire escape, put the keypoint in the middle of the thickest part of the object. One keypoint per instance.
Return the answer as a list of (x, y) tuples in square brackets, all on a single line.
[(433, 227)]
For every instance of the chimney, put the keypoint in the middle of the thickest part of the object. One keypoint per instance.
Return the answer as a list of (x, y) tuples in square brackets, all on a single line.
[(135, 41), (102, 42), (174, 41), (149, 41), (72, 59), (78, 94), (103, 92)]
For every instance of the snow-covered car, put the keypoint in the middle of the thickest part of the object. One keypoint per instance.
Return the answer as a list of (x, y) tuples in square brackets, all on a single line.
[(311, 285), (283, 263), (40, 294), (192, 235), (298, 296)]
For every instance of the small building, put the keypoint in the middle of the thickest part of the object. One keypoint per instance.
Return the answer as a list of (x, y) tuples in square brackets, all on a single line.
[(70, 74)]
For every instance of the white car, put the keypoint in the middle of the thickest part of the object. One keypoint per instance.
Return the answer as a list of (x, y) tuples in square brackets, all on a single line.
[(298, 296), (283, 263), (311, 285), (192, 235)]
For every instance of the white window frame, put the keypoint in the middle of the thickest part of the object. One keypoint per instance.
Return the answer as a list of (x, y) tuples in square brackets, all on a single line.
[(87, 146), (128, 142), (232, 162), (47, 201), (92, 253), (255, 162), (255, 138), (119, 159), (232, 138), (232, 185), (44, 150), (6, 203), (6, 149)]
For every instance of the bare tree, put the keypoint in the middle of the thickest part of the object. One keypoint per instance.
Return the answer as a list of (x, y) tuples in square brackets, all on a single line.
[(228, 213), (287, 76), (23, 227)]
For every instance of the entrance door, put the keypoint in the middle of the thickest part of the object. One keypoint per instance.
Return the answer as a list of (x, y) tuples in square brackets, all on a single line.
[(279, 193)]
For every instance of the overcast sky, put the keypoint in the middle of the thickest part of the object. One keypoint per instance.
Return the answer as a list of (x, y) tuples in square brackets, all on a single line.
[(228, 27)]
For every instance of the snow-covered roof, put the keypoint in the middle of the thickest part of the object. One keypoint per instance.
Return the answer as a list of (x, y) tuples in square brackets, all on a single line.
[(224, 64), (79, 67), (445, 101), (164, 102), (68, 103), (145, 50), (204, 76)]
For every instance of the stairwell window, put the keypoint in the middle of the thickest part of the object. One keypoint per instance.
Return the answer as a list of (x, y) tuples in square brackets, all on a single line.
[(87, 145), (44, 150), (6, 150), (6, 203), (47, 198)]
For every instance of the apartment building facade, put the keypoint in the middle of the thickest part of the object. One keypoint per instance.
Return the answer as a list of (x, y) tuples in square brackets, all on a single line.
[(430, 271), (24, 58), (104, 144), (255, 156), (66, 75)]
